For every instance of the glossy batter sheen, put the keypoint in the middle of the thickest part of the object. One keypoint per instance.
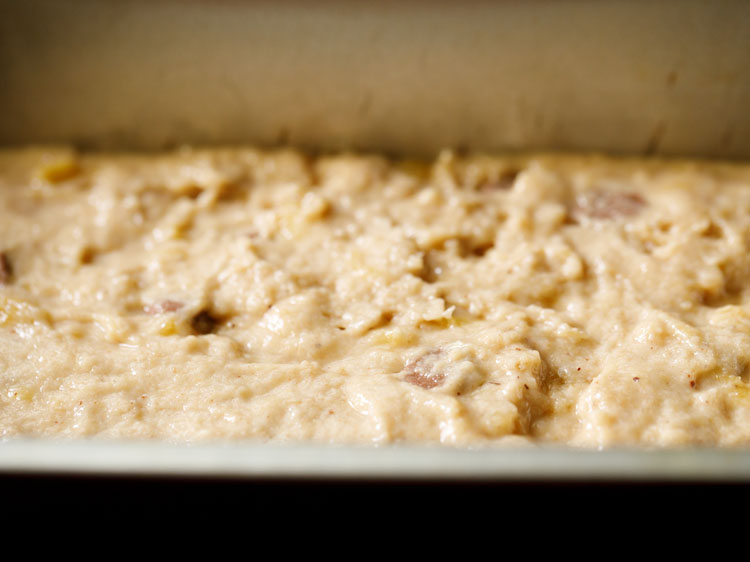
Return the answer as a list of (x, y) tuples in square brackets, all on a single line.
[(474, 301)]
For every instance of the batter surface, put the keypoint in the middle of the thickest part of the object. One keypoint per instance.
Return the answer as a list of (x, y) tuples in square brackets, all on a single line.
[(351, 299)]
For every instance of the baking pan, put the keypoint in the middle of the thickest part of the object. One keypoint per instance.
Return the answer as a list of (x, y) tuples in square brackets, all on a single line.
[(408, 77), (665, 77)]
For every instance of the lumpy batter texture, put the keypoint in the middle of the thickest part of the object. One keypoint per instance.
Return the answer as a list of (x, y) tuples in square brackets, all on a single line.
[(353, 299)]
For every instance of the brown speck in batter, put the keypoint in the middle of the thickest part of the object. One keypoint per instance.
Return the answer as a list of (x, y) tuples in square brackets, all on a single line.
[(6, 270), (505, 180), (87, 255), (203, 323)]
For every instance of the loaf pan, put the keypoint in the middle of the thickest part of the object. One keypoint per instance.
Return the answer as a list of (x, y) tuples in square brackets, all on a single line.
[(665, 78)]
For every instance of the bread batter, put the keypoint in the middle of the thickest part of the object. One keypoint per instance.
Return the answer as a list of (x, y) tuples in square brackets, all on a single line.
[(474, 301)]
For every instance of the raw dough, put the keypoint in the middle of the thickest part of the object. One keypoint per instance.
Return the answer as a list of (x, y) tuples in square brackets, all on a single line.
[(236, 293)]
